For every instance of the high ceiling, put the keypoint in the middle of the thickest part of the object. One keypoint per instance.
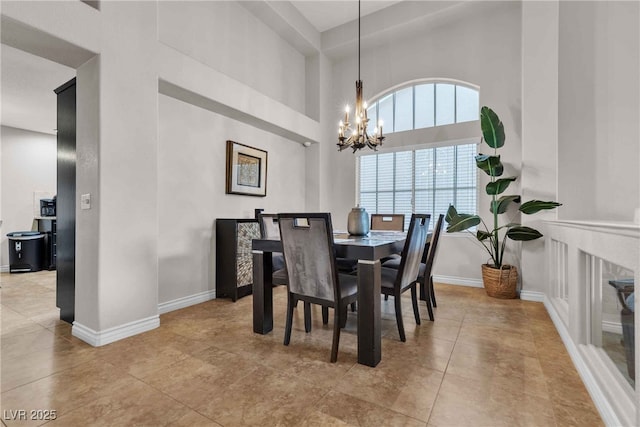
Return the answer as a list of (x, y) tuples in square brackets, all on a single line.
[(27, 84), (325, 15)]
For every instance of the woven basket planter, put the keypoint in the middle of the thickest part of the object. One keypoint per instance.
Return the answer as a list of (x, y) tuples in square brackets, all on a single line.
[(500, 282)]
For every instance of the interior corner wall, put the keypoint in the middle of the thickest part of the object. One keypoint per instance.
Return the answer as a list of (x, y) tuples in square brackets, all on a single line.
[(191, 190), (28, 168), (319, 185), (128, 175), (88, 182), (457, 50), (539, 177), (598, 110)]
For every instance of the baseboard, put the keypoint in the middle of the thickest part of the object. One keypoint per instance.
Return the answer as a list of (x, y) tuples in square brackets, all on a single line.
[(99, 338), (4, 269), (183, 302), (613, 327), (532, 296), (461, 281), (604, 408)]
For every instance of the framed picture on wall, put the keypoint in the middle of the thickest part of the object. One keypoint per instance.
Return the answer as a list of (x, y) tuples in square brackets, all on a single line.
[(246, 170)]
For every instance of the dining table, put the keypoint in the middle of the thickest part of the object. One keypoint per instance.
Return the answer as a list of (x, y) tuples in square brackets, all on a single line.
[(368, 250)]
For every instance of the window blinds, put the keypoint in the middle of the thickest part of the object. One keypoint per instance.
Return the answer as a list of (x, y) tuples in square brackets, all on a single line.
[(419, 181)]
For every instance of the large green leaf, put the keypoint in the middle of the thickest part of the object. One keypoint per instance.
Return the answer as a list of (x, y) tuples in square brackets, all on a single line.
[(533, 206), (499, 185), (483, 235), (500, 206), (451, 213), (523, 233), (492, 128), (461, 222), (490, 164)]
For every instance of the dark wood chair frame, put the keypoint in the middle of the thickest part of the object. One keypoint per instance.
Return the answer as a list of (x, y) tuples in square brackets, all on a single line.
[(427, 292), (339, 303), (397, 290)]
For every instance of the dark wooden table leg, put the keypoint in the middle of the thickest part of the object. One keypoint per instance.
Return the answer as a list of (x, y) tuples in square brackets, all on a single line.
[(262, 293), (369, 324)]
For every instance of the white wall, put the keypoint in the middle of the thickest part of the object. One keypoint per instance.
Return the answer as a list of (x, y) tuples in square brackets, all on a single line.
[(228, 38), (482, 48), (28, 166), (191, 190), (598, 110)]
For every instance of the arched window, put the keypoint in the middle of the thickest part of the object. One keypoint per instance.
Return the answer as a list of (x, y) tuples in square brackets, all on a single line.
[(424, 104), (425, 179)]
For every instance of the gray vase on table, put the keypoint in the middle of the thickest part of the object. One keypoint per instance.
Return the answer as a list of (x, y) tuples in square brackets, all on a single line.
[(358, 222)]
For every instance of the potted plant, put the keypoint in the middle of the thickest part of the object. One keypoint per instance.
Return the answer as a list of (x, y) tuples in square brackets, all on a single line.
[(499, 279)]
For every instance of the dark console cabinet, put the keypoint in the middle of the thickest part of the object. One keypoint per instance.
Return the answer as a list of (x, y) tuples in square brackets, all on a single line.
[(234, 263)]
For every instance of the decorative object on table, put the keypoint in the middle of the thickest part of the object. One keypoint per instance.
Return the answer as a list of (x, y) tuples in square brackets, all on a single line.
[(499, 279), (246, 170), (234, 260), (358, 222), (359, 137)]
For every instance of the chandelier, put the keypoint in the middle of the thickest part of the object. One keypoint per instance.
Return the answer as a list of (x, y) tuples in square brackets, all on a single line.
[(358, 137)]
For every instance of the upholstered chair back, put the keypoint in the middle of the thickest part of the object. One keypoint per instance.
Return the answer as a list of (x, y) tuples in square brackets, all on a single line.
[(413, 250), (307, 242)]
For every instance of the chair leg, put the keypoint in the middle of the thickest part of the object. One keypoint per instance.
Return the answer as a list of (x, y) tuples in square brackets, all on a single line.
[(433, 294), (353, 307), (414, 302), (307, 317), (337, 320), (325, 315), (399, 321), (287, 330), (423, 293), (343, 317), (427, 300)]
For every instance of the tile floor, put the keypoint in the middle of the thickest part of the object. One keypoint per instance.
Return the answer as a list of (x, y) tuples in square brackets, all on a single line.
[(483, 362)]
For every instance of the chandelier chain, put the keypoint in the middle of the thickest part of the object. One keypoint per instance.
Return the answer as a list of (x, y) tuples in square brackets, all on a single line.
[(359, 137)]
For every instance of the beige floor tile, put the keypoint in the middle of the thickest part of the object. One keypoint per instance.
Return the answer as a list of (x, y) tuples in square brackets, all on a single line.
[(264, 397), (358, 412), (482, 362), (139, 405), (466, 402)]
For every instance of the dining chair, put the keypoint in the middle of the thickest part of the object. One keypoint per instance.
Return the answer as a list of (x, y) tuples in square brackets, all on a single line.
[(307, 243), (391, 222), (425, 277), (270, 229), (394, 282)]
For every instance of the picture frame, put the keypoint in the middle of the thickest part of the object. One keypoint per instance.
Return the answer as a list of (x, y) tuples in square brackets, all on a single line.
[(246, 170)]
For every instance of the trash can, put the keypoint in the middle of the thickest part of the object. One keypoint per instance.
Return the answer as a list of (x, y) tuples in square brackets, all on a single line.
[(26, 250)]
